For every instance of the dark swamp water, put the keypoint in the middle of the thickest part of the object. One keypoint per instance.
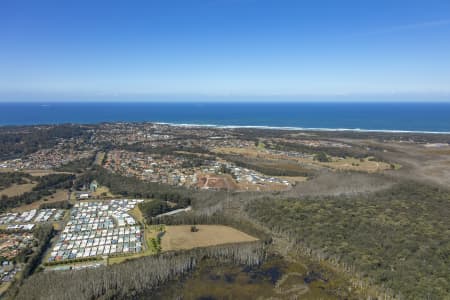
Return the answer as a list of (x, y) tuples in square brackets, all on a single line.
[(277, 278)]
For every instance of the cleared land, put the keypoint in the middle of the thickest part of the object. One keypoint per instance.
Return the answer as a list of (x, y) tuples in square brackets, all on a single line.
[(365, 165), (427, 165), (17, 189), (180, 237), (226, 182), (207, 181), (33, 172), (59, 195), (298, 163)]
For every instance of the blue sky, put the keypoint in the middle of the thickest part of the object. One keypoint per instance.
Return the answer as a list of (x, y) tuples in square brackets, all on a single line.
[(364, 50)]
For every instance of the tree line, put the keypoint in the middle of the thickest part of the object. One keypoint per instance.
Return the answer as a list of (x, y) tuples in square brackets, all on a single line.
[(7, 179), (153, 208), (192, 218), (133, 187), (267, 168), (46, 186), (63, 204), (134, 277), (31, 257)]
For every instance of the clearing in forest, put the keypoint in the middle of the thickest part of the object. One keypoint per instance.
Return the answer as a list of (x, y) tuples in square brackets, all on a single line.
[(368, 164), (17, 189), (33, 172), (180, 237), (59, 195)]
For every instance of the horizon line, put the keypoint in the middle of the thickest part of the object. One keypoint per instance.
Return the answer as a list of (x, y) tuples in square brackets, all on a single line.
[(176, 101)]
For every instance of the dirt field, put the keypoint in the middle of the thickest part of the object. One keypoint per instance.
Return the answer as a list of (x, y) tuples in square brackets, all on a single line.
[(290, 163), (58, 196), (250, 152), (33, 172), (226, 182), (180, 237), (338, 183), (357, 165), (419, 163), (207, 181), (17, 189), (250, 187)]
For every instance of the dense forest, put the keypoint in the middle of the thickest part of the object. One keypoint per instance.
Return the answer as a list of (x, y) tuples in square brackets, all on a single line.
[(17, 141), (46, 186), (390, 238), (9, 178), (153, 208)]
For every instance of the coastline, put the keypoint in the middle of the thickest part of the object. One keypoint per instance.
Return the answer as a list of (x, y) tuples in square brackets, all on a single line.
[(395, 118), (220, 126), (292, 128)]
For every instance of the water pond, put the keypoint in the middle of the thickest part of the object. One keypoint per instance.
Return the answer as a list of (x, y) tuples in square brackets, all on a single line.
[(275, 279)]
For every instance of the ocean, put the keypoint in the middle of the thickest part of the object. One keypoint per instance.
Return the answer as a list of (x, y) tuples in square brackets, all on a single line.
[(420, 117)]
